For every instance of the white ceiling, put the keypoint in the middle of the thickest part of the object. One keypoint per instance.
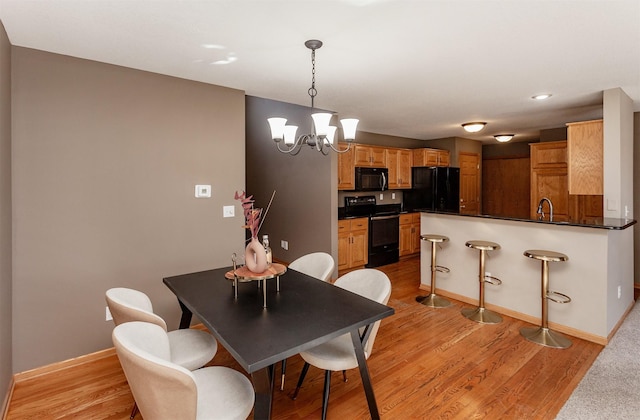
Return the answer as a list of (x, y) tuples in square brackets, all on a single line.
[(408, 68)]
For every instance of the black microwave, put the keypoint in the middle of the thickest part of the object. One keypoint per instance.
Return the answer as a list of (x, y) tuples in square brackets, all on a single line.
[(372, 179)]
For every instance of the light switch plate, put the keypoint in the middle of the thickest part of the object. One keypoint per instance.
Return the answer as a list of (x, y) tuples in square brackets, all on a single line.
[(203, 191), (228, 211)]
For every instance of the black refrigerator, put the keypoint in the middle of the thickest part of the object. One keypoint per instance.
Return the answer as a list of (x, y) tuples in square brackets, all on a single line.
[(434, 188)]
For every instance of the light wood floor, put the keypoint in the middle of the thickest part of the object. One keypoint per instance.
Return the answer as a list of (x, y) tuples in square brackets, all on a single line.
[(426, 363)]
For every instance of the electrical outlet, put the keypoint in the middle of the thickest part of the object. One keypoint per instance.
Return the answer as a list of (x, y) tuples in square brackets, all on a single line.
[(393, 196), (619, 292), (228, 211), (284, 245), (108, 316), (381, 196)]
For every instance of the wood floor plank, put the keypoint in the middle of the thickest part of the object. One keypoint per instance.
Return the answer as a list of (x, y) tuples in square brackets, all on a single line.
[(427, 363)]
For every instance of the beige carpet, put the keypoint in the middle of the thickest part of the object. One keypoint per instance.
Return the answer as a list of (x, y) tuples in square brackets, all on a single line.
[(611, 387)]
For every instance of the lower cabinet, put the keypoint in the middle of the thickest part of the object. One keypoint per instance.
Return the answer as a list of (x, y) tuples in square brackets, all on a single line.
[(409, 233), (353, 237)]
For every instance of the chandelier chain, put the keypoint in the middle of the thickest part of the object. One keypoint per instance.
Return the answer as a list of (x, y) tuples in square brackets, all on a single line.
[(312, 90)]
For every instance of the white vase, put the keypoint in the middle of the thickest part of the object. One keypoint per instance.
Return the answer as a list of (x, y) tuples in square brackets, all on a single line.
[(255, 256)]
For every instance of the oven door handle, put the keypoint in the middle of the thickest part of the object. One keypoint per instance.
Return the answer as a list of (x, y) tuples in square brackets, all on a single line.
[(393, 216)]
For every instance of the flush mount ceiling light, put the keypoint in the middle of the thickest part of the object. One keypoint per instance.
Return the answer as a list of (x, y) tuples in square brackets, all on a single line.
[(473, 127), (541, 96), (503, 137), (324, 133)]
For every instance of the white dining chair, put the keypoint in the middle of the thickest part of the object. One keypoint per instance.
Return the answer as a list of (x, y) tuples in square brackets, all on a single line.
[(190, 348), (166, 391), (319, 265), (339, 354)]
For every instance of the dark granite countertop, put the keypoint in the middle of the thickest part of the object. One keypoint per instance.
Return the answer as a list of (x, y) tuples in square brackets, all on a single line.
[(601, 223)]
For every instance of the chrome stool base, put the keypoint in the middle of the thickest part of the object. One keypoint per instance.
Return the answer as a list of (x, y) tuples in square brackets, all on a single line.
[(433, 301), (481, 315), (546, 337)]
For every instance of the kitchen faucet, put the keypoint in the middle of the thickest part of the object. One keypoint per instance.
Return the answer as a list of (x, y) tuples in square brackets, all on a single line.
[(541, 213)]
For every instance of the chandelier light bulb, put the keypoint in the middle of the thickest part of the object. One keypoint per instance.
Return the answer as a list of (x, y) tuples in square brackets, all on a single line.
[(290, 134), (349, 128), (277, 127)]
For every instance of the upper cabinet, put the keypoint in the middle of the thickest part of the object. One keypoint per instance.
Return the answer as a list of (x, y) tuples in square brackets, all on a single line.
[(399, 162), (550, 154), (346, 172), (585, 157), (549, 178), (373, 156), (430, 157)]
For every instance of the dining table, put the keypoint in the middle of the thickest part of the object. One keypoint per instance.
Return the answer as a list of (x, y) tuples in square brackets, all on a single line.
[(302, 313)]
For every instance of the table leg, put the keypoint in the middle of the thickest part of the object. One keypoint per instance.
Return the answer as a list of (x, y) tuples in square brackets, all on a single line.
[(263, 386), (264, 293), (185, 320), (364, 374)]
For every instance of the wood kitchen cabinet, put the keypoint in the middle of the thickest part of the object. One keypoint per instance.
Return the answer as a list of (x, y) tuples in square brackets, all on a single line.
[(346, 168), (373, 156), (409, 234), (550, 178), (430, 157), (353, 237), (585, 150), (399, 162)]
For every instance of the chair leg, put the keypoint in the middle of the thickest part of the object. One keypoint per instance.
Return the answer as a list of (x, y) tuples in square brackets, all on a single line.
[(344, 375), (305, 368), (134, 411), (325, 396), (284, 368)]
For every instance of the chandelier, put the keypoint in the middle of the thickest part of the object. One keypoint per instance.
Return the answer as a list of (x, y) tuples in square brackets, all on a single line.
[(323, 137)]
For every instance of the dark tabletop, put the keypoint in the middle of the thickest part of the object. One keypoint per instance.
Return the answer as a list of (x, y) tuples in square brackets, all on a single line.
[(306, 312)]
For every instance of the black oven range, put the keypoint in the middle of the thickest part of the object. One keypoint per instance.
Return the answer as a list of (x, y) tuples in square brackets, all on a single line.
[(384, 227)]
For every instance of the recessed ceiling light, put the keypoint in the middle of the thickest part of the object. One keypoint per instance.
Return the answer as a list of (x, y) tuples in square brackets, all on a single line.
[(214, 47), (473, 127), (503, 137), (541, 96), (230, 58)]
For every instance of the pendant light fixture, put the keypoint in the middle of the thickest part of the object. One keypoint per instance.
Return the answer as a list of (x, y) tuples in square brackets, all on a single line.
[(324, 134)]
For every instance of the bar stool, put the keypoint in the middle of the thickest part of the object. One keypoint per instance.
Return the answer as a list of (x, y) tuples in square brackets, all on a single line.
[(543, 335), (481, 314), (432, 300)]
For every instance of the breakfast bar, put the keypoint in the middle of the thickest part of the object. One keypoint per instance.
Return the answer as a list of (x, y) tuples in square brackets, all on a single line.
[(598, 275)]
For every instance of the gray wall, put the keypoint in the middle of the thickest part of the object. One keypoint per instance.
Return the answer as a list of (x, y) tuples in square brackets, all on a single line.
[(105, 160), (304, 211), (5, 212)]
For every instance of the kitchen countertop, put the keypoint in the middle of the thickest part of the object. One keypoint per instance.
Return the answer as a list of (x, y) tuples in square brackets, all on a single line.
[(602, 223)]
